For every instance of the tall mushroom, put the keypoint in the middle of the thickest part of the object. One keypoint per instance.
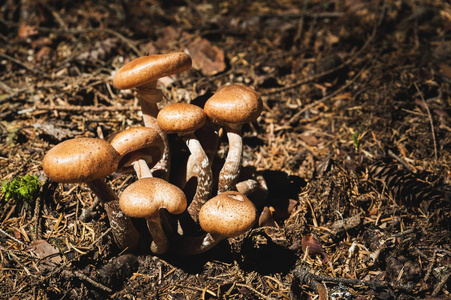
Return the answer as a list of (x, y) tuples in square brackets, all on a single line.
[(233, 106), (184, 119), (140, 148), (145, 198), (227, 215), (142, 74), (88, 160)]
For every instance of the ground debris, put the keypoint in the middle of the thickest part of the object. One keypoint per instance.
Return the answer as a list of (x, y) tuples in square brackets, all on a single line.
[(352, 144)]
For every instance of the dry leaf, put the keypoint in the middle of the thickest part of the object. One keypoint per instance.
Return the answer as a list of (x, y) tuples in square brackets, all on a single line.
[(41, 249), (56, 132), (445, 70), (207, 58), (311, 140), (25, 31), (314, 245)]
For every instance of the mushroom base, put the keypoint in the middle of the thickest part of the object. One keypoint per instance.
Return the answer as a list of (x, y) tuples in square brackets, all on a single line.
[(124, 232), (189, 246), (160, 242)]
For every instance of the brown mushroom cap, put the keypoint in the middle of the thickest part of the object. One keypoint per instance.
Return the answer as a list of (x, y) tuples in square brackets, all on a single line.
[(181, 118), (80, 160), (145, 197), (228, 214), (138, 142), (146, 69), (234, 104)]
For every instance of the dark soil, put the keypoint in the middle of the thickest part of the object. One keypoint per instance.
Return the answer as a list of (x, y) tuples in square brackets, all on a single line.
[(354, 144)]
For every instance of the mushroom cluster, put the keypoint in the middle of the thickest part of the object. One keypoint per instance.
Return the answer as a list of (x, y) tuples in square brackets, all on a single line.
[(218, 208)]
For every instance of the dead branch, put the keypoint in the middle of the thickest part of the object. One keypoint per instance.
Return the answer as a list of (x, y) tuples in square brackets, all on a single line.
[(93, 109), (430, 121)]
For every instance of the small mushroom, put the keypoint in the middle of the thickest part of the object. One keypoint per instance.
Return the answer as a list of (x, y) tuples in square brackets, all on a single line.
[(227, 215), (233, 106), (311, 244), (142, 74), (140, 148), (184, 119), (145, 198), (89, 160), (266, 219)]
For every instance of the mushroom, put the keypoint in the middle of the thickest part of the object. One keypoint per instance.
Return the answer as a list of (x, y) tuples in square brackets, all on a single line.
[(227, 215), (266, 219), (89, 160), (311, 244), (142, 74), (145, 198), (140, 148), (184, 119), (233, 106)]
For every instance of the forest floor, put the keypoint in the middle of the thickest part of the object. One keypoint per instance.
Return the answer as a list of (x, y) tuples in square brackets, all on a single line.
[(354, 144)]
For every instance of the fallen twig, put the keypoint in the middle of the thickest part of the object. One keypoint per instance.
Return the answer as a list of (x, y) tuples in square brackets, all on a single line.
[(86, 212), (93, 109), (11, 237), (441, 284), (254, 291), (303, 276), (82, 276), (18, 62), (430, 267), (37, 218), (430, 121), (401, 161)]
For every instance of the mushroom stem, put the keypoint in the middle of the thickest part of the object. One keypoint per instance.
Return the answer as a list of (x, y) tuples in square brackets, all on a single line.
[(208, 137), (231, 169), (204, 175), (122, 228), (160, 242), (188, 246), (254, 188), (149, 96), (142, 169), (247, 187)]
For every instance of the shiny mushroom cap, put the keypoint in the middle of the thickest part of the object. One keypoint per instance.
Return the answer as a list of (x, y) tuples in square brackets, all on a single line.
[(145, 197), (146, 69), (138, 143), (229, 214), (181, 118), (234, 104), (80, 160)]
